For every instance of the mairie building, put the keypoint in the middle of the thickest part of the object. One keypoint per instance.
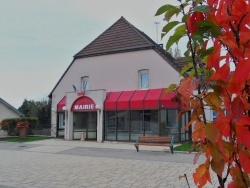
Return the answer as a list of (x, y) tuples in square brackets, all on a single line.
[(114, 90)]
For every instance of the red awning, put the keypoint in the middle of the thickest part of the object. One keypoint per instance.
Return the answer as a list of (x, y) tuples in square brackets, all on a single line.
[(136, 102), (139, 100), (123, 101), (110, 102), (166, 100), (152, 101), (61, 104)]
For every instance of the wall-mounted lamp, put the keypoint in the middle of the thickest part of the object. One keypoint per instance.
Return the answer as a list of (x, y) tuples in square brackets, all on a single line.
[(64, 108), (97, 107)]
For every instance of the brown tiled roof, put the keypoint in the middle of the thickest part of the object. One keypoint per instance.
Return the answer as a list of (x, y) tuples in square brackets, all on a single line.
[(121, 36)]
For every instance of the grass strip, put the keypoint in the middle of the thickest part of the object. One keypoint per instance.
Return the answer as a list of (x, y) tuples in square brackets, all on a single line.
[(27, 139)]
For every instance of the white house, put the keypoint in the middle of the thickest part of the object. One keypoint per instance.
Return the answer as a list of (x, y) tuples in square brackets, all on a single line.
[(120, 77)]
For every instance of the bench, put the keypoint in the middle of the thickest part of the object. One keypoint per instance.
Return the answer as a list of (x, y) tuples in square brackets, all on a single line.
[(155, 141)]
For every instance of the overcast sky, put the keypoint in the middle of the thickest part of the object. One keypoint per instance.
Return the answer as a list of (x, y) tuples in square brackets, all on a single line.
[(39, 38)]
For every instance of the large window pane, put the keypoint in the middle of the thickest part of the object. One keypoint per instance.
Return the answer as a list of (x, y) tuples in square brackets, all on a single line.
[(136, 124), (123, 125), (169, 123), (151, 122), (110, 125)]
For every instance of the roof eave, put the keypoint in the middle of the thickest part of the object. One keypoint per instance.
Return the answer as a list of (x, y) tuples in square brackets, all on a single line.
[(113, 52)]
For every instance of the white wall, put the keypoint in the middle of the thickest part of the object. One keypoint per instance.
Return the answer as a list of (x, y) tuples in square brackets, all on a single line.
[(115, 72)]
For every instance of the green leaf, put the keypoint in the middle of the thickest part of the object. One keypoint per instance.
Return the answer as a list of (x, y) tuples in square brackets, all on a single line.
[(201, 8), (170, 26), (202, 31), (187, 53), (209, 27), (170, 88), (173, 39), (198, 38), (163, 9), (181, 28), (163, 35), (171, 12), (207, 52), (184, 18), (206, 23), (215, 31), (186, 68)]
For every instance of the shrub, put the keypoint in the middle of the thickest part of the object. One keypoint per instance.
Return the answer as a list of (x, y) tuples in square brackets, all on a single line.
[(9, 124)]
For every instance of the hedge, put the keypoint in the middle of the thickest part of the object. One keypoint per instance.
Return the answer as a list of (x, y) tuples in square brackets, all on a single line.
[(9, 124)]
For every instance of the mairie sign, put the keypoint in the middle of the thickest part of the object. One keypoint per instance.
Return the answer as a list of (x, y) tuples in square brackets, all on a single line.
[(83, 104)]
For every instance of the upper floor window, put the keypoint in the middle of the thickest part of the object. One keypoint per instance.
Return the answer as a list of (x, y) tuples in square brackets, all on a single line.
[(143, 79), (85, 83)]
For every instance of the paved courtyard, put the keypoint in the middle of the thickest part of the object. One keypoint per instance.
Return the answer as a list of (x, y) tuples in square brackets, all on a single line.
[(75, 164)]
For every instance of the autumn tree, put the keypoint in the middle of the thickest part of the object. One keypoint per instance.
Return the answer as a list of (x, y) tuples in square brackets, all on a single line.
[(217, 33), (39, 109)]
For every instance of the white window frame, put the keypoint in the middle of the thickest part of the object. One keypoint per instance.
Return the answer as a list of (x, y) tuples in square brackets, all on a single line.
[(140, 73), (85, 79), (61, 121)]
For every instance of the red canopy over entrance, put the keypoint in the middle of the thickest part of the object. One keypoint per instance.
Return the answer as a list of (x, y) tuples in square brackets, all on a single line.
[(83, 104)]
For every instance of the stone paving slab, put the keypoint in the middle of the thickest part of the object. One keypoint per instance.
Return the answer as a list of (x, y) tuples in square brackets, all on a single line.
[(49, 149), (37, 170)]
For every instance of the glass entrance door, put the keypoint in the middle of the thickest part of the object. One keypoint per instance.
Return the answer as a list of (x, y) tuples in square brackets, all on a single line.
[(85, 122)]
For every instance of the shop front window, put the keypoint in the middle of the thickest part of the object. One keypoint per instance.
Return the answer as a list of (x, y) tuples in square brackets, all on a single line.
[(169, 123), (136, 124), (151, 125), (110, 125), (123, 125)]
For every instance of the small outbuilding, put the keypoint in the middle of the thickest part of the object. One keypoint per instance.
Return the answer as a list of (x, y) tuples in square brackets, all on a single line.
[(8, 111)]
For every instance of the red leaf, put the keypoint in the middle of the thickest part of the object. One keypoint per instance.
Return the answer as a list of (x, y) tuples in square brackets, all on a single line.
[(196, 157), (213, 60), (233, 184), (243, 135), (222, 73), (201, 175), (242, 71), (187, 86), (245, 161), (237, 107), (192, 21), (244, 120), (223, 124), (234, 86)]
